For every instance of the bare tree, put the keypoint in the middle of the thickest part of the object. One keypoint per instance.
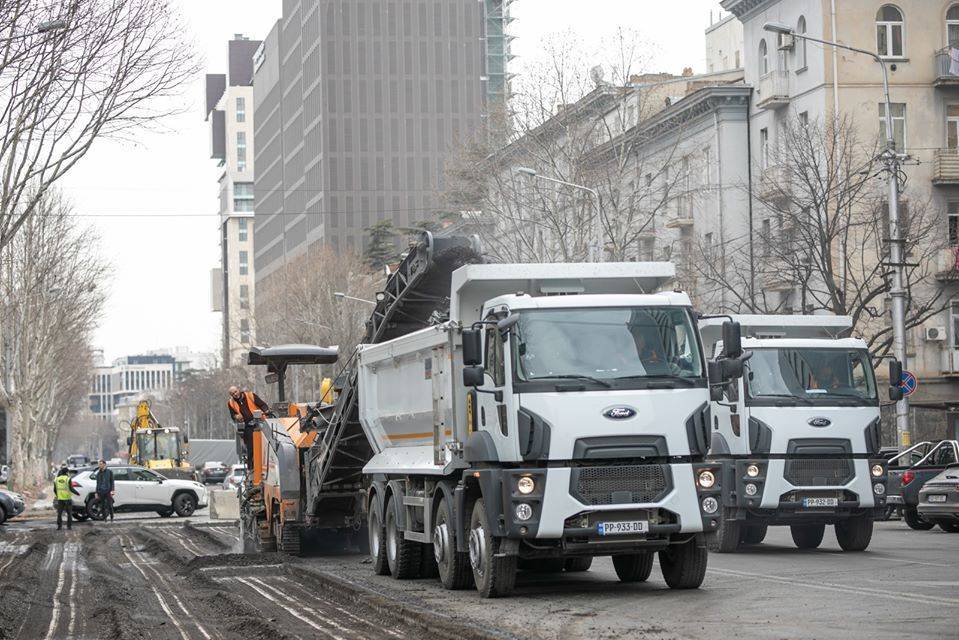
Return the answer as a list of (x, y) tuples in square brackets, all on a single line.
[(197, 402), (51, 283), (577, 123), (106, 73), (821, 236)]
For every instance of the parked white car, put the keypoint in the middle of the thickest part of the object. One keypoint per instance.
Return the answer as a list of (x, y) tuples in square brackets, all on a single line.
[(139, 489), (235, 478)]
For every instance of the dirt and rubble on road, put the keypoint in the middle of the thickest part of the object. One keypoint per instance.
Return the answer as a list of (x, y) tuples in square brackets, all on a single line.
[(136, 579)]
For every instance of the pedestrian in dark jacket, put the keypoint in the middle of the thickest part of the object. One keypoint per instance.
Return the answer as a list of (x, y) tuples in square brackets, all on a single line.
[(105, 489), (64, 501)]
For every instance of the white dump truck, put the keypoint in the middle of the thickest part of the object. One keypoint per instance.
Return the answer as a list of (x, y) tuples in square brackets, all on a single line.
[(798, 435), (558, 413)]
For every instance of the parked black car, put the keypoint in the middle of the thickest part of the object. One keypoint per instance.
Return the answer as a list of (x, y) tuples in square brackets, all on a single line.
[(939, 500), (11, 505), (212, 473)]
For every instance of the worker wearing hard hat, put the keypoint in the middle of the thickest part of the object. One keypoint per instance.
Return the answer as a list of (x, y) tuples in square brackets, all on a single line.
[(244, 405)]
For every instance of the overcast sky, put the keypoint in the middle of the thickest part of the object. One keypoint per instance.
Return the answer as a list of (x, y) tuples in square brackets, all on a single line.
[(154, 203)]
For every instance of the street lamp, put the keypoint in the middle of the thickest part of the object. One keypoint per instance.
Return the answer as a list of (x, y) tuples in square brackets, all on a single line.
[(897, 291), (43, 27), (339, 295), (596, 239)]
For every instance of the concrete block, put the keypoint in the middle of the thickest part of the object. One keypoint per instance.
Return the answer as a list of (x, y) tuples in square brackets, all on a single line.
[(224, 505)]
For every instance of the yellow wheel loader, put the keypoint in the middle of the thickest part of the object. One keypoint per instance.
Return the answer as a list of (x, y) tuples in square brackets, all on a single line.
[(162, 449)]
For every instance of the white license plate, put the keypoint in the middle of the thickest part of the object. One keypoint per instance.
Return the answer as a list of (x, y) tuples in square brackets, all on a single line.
[(622, 528), (937, 497), (820, 502)]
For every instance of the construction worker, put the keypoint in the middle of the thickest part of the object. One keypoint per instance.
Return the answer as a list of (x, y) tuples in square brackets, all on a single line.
[(64, 500), (105, 489), (243, 405)]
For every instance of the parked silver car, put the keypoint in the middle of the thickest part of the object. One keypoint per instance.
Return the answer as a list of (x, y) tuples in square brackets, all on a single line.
[(939, 500), (11, 505)]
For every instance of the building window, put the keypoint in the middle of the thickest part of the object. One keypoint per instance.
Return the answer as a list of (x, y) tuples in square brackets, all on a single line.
[(804, 119), (764, 148), (647, 249), (708, 244), (952, 26), (952, 126), (244, 263), (244, 229), (767, 238), (763, 58), (953, 223), (245, 331), (707, 161), (241, 109), (738, 60), (889, 26), (898, 124), (241, 150), (244, 296), (243, 196), (801, 44)]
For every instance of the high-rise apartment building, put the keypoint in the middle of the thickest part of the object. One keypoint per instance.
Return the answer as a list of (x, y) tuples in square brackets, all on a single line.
[(230, 112), (358, 107)]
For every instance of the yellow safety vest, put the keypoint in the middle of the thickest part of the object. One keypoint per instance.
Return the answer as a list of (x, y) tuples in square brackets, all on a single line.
[(62, 485)]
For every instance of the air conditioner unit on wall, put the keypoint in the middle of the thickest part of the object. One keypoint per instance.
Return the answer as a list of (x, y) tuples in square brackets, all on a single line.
[(935, 334), (786, 42)]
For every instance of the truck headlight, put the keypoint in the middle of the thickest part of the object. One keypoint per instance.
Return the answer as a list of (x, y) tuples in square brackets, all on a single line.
[(751, 489), (877, 470), (752, 470), (706, 479), (710, 504), (526, 485), (523, 511)]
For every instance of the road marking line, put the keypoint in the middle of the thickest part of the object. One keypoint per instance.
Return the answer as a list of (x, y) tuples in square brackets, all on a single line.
[(831, 586), (296, 614), (55, 614), (329, 602), (162, 580), (323, 618), (71, 599), (160, 599), (246, 567)]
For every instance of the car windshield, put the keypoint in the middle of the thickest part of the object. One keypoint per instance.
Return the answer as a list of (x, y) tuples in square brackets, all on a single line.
[(606, 344), (820, 376)]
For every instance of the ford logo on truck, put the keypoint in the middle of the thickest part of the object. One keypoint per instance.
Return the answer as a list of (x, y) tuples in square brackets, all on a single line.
[(819, 422), (619, 413)]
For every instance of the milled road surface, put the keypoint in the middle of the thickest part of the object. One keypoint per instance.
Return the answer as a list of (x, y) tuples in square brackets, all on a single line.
[(153, 578)]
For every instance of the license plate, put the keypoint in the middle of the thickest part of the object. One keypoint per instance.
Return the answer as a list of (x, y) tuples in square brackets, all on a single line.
[(622, 528), (820, 502), (937, 497)]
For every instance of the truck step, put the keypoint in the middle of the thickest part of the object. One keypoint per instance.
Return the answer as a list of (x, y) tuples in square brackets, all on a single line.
[(414, 501), (416, 536)]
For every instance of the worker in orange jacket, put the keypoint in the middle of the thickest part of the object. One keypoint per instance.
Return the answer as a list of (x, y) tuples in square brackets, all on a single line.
[(242, 406)]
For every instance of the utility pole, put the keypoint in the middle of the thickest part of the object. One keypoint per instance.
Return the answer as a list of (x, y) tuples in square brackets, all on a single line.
[(897, 292), (595, 251)]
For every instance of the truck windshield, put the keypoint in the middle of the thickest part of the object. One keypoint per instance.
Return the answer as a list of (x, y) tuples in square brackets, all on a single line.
[(606, 344), (817, 376)]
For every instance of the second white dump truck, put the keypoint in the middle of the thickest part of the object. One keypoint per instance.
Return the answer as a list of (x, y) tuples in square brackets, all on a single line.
[(559, 412), (798, 435)]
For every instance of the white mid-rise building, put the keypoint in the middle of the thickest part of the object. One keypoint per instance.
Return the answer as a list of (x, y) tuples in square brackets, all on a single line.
[(129, 376)]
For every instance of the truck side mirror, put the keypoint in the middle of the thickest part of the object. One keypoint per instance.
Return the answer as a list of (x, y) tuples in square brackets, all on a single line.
[(714, 373), (473, 376), (472, 348), (732, 339), (732, 368), (895, 376), (129, 440), (186, 439)]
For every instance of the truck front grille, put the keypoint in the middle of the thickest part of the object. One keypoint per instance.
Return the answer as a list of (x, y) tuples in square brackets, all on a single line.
[(811, 472), (625, 484)]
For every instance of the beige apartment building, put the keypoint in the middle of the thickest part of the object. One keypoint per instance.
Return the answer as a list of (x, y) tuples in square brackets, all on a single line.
[(918, 40), (230, 113)]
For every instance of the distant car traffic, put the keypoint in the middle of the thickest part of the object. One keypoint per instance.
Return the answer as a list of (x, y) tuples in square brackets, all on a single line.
[(77, 460), (235, 478), (939, 500), (11, 505), (212, 473), (139, 489)]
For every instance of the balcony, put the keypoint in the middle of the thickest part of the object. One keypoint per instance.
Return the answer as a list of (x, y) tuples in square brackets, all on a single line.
[(947, 68), (774, 184), (945, 168), (946, 263), (681, 221), (773, 90)]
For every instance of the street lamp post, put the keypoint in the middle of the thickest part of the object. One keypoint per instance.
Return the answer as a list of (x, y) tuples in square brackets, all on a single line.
[(342, 296), (43, 27), (897, 290), (596, 231)]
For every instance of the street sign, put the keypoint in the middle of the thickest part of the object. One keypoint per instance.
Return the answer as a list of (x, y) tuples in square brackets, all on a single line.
[(909, 383)]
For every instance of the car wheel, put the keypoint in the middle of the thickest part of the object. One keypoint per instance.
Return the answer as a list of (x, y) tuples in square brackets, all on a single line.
[(916, 521), (80, 515), (184, 504), (633, 567), (950, 527), (95, 509), (807, 536), (3, 514), (854, 534), (165, 513)]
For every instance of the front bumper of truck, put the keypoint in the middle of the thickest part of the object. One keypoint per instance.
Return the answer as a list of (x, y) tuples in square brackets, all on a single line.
[(776, 489), (568, 503)]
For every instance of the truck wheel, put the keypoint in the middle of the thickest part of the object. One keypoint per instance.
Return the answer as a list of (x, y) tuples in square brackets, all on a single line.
[(727, 536), (854, 534), (754, 534), (494, 576), (916, 521), (949, 527), (453, 567), (684, 565), (578, 565), (402, 555), (634, 567), (377, 533), (807, 536), (184, 504)]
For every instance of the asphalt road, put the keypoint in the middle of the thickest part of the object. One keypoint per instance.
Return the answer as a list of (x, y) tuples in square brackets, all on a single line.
[(153, 578)]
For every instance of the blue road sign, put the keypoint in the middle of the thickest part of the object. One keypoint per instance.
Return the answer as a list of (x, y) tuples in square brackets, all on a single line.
[(909, 383)]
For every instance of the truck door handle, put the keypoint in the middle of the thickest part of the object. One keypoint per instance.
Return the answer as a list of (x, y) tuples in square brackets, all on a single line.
[(483, 416)]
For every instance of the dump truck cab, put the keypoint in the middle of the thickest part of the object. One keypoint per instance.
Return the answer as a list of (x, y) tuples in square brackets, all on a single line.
[(799, 434)]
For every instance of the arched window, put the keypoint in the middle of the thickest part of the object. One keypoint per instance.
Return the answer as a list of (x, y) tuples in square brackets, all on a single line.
[(801, 43), (889, 27), (952, 26), (763, 58)]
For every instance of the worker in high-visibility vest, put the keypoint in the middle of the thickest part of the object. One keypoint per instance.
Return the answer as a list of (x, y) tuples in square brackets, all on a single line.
[(243, 406), (64, 500)]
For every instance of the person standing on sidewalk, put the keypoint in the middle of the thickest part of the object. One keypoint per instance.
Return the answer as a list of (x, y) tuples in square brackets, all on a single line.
[(64, 501), (105, 488)]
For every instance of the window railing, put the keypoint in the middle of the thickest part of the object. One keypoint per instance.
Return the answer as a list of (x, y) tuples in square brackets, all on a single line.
[(947, 65), (945, 169)]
